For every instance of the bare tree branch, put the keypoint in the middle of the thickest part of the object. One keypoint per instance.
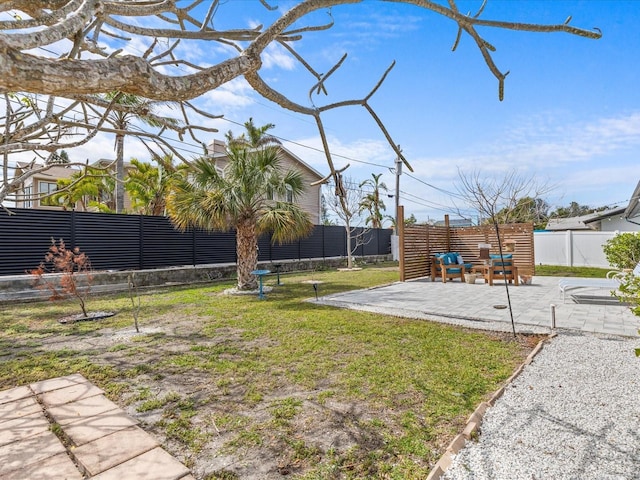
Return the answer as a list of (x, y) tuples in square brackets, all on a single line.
[(55, 48)]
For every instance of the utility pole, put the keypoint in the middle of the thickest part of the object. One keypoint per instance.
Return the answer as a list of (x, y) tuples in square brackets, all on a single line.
[(398, 173)]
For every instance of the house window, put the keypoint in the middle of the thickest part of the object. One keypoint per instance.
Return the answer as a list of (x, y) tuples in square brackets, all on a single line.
[(47, 188), (289, 194), (26, 202), (44, 189)]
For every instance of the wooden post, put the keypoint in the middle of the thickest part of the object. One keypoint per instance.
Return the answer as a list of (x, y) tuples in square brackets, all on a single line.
[(400, 230), (446, 224)]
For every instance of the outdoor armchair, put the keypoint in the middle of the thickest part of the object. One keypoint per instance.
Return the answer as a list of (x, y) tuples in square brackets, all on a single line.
[(449, 265), (501, 268)]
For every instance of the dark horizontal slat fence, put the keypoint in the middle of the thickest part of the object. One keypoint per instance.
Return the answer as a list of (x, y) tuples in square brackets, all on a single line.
[(119, 242)]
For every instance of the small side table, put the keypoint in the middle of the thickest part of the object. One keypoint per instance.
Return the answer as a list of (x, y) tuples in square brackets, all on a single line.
[(260, 274)]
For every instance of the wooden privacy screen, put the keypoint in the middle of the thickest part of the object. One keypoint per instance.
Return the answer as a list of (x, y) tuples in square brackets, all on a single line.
[(420, 242)]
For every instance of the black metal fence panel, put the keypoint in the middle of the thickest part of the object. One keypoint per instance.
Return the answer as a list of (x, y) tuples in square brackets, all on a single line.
[(163, 245), (111, 241), (25, 239), (285, 251), (335, 242), (215, 247), (311, 245), (119, 242)]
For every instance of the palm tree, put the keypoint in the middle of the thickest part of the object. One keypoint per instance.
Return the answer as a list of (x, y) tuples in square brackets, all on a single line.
[(238, 197), (372, 203), (121, 120), (90, 187), (254, 137), (149, 185)]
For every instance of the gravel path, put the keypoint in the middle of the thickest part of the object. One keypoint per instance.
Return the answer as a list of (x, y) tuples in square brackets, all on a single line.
[(574, 413)]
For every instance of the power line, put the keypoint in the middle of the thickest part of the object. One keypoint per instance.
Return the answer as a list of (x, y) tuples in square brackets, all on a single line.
[(435, 206), (453, 194)]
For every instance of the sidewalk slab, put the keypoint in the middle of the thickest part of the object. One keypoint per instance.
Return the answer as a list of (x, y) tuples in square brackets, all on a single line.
[(81, 409), (23, 427), (104, 442), (90, 429), (107, 452), (34, 449), (153, 465), (61, 464), (56, 383), (14, 394), (69, 394), (19, 408)]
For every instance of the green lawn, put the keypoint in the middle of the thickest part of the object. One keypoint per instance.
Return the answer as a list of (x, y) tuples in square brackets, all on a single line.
[(233, 384), (563, 271)]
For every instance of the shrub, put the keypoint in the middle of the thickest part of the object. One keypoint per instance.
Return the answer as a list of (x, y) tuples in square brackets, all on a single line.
[(623, 250), (75, 269), (629, 292)]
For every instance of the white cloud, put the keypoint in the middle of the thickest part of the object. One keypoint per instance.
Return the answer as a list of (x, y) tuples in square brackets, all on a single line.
[(232, 95), (276, 56), (586, 161), (549, 142)]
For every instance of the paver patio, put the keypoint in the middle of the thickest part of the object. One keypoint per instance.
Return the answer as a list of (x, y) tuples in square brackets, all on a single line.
[(472, 305)]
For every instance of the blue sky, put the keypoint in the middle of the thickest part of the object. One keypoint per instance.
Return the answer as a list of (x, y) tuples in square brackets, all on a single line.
[(570, 117)]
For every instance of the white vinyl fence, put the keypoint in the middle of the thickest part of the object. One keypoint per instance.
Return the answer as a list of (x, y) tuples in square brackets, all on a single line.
[(571, 248)]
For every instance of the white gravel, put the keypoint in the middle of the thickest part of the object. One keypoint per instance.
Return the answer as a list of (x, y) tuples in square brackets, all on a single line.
[(574, 413)]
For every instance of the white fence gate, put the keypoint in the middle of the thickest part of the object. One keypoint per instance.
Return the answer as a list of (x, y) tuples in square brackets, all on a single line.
[(571, 248)]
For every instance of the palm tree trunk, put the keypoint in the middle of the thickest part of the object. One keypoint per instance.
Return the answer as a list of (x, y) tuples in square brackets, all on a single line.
[(119, 173), (247, 252)]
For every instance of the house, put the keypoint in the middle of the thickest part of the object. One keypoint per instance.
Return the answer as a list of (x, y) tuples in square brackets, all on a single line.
[(46, 182), (632, 212), (310, 201), (42, 183), (454, 223), (605, 221)]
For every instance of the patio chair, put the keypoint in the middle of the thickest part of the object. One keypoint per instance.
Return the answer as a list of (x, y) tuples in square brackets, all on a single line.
[(501, 268), (449, 265)]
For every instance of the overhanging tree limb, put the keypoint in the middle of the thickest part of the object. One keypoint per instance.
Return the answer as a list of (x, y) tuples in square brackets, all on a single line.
[(65, 48)]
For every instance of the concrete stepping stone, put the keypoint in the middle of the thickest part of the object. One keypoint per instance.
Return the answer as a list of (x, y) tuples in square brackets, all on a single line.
[(81, 409), (107, 452), (89, 429), (153, 465), (19, 408), (106, 443), (56, 383), (23, 453), (23, 427), (14, 394), (61, 464), (69, 394)]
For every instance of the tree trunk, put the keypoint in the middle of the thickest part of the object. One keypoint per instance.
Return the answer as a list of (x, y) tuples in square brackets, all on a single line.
[(349, 258), (247, 251), (119, 173)]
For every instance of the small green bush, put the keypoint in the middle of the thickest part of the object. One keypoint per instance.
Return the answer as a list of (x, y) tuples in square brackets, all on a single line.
[(623, 250), (629, 292)]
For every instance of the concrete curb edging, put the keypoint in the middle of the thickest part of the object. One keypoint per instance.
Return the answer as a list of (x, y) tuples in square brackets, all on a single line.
[(475, 419)]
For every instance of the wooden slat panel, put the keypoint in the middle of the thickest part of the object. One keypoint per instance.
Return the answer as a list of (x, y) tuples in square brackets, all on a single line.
[(420, 242)]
